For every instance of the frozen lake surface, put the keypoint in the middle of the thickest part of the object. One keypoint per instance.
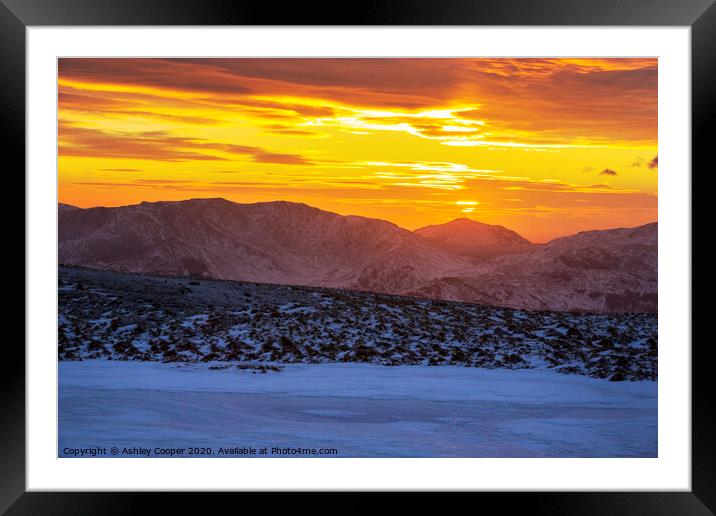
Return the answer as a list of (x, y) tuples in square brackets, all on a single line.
[(359, 410)]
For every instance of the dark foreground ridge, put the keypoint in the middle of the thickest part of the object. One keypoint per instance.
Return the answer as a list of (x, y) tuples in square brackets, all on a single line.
[(115, 316)]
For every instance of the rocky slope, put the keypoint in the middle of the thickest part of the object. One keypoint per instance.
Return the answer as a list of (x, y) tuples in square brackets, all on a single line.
[(602, 271), (274, 242), (257, 327)]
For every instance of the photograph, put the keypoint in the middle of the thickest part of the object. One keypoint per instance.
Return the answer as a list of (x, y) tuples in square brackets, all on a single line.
[(357, 257)]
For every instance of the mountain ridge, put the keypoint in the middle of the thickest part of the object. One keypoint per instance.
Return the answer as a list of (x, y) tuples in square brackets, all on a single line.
[(294, 243), (474, 239)]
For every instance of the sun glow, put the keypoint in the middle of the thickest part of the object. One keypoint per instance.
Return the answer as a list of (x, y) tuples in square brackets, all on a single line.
[(408, 140)]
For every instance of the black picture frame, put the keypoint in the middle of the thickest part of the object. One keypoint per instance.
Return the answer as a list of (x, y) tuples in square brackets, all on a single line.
[(17, 15)]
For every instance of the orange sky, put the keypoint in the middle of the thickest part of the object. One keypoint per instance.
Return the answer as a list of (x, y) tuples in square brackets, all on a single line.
[(547, 147)]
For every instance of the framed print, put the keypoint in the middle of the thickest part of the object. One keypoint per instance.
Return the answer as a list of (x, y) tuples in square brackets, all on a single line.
[(422, 249)]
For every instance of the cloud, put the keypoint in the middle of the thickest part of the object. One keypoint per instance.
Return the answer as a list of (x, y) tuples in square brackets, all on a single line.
[(160, 146), (260, 155), (608, 172), (289, 130), (425, 174), (186, 119), (148, 145), (654, 163), (528, 101), (117, 105), (169, 74), (151, 182)]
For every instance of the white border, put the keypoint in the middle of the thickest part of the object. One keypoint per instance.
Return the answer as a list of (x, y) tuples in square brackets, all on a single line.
[(671, 471)]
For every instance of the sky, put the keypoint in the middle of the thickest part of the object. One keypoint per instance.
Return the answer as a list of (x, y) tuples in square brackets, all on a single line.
[(546, 147)]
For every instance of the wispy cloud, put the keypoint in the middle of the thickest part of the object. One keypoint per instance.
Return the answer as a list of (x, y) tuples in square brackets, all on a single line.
[(161, 146), (426, 174)]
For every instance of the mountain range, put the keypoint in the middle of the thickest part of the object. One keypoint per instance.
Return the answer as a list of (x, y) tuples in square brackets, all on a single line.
[(291, 243)]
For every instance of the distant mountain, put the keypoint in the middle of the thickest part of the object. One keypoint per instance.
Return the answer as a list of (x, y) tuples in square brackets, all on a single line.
[(606, 271), (272, 242), (66, 207), (291, 243), (474, 239)]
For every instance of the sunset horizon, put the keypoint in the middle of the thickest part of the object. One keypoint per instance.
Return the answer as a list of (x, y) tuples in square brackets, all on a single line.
[(465, 216), (545, 147)]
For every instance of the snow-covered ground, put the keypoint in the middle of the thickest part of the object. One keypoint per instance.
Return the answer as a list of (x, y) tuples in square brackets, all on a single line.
[(362, 410), (108, 315)]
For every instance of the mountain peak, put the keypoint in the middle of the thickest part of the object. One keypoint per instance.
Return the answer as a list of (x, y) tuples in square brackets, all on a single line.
[(473, 239), (465, 220)]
